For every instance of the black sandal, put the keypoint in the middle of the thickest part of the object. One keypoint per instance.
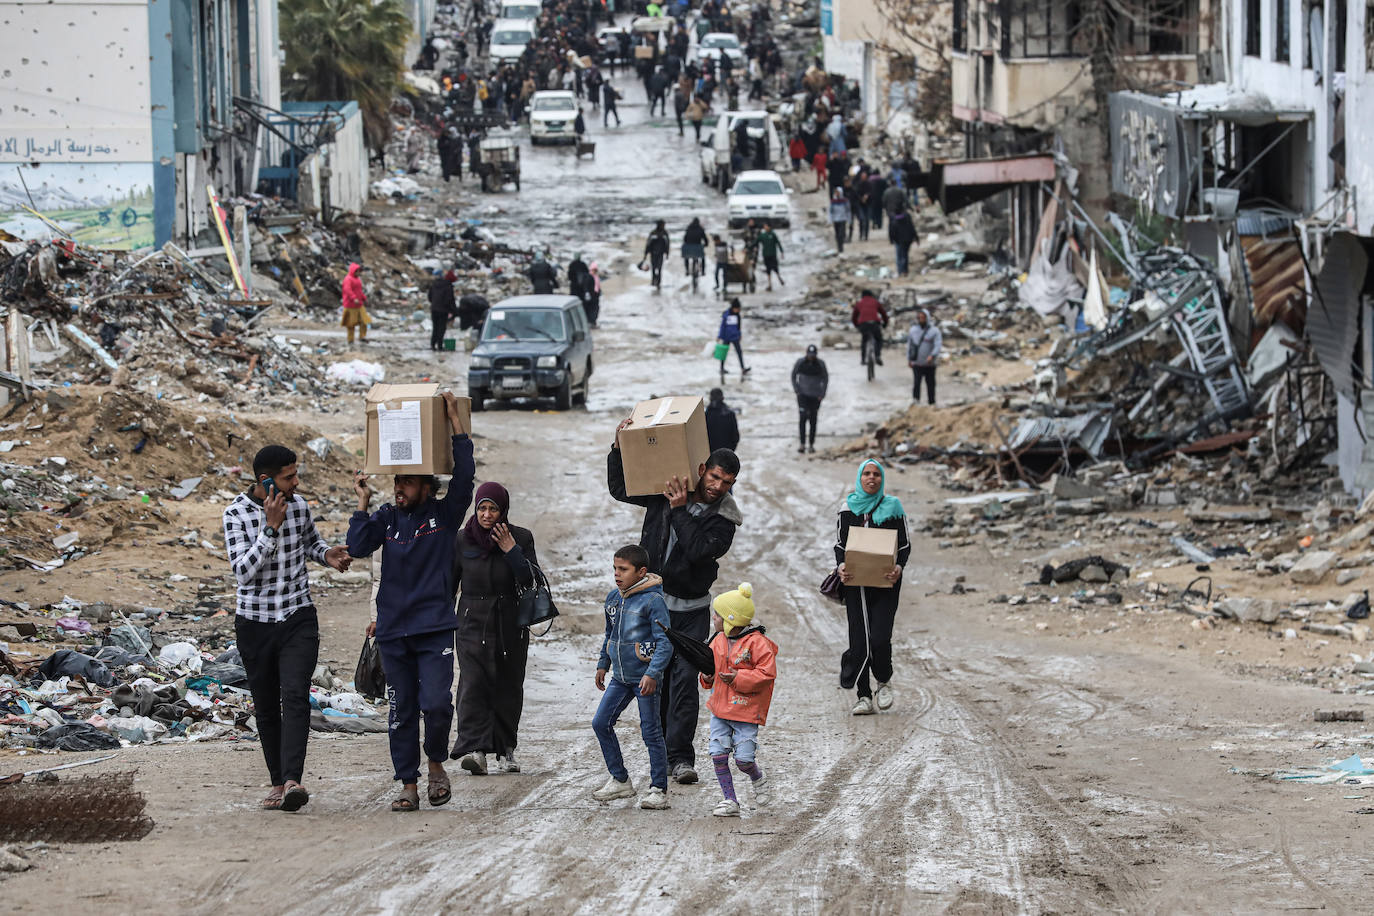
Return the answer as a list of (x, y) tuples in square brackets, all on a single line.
[(439, 790), (409, 800), (294, 798)]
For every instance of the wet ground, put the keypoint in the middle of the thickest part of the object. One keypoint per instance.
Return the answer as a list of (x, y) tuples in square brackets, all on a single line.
[(1018, 772)]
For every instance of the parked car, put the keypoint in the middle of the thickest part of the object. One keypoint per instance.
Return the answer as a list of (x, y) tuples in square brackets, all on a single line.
[(509, 38), (714, 44), (715, 146), (532, 347), (760, 196), (552, 113)]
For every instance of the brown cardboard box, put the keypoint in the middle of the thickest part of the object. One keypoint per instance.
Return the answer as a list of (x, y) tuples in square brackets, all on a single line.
[(584, 62), (870, 553), (408, 430), (643, 52), (666, 439)]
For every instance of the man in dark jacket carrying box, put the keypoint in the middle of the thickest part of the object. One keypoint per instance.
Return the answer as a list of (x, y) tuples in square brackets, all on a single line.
[(686, 532), (415, 616)]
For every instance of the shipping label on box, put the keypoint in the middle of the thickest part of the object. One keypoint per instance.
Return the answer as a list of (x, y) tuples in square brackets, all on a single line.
[(870, 554), (666, 438), (408, 430)]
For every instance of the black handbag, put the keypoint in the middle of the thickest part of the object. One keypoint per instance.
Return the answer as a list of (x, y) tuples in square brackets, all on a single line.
[(832, 587), (368, 678), (534, 604)]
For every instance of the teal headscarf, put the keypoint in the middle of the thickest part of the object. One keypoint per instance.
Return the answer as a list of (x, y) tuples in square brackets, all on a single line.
[(883, 507)]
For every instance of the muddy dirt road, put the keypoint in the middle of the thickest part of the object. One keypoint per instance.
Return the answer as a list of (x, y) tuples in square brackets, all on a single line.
[(1018, 771)]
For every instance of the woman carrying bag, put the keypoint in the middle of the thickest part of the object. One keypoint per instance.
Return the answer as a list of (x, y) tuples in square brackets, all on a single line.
[(871, 611), (495, 559)]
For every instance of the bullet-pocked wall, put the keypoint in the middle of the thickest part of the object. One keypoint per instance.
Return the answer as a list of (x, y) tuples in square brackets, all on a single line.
[(77, 122)]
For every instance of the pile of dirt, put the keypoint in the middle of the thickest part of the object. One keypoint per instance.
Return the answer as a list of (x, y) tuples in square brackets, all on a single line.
[(961, 426)]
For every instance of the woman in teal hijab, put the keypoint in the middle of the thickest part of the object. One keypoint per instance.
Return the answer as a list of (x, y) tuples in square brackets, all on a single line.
[(871, 608)]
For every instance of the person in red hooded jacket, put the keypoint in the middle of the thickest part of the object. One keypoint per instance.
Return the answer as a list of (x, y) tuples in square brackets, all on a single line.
[(354, 304), (870, 317)]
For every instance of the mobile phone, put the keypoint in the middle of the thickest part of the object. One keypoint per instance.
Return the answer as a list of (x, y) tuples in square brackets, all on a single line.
[(269, 486)]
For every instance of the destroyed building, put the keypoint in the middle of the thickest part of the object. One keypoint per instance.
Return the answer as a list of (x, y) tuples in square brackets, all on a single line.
[(120, 152)]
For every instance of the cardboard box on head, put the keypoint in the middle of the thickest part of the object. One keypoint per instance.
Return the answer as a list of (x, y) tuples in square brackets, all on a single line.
[(666, 438), (408, 430), (870, 554)]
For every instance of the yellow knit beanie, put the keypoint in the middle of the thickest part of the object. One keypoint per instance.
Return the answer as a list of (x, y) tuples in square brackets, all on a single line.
[(736, 608)]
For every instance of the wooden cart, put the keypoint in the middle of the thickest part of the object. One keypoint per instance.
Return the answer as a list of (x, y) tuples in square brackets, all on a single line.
[(738, 270), (586, 148), (500, 163)]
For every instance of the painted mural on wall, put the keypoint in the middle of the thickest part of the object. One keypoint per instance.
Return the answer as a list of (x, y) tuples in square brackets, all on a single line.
[(100, 204)]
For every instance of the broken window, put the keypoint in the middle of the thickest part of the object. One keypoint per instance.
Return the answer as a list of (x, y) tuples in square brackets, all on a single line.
[(1156, 26), (1252, 27), (1281, 16), (959, 37), (1041, 28)]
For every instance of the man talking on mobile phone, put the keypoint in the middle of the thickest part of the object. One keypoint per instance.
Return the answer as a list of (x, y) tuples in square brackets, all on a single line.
[(269, 534)]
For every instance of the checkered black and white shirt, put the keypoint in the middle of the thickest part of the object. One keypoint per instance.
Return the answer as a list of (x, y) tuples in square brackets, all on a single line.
[(272, 581)]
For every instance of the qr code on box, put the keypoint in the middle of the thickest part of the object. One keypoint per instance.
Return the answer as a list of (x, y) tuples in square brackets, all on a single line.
[(400, 453)]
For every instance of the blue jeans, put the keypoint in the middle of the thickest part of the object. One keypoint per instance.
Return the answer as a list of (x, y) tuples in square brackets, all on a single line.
[(741, 737), (902, 251), (618, 695)]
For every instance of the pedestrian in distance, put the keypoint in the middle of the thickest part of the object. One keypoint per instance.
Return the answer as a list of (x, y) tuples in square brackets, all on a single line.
[(839, 217), (543, 275), (869, 315), (697, 110), (721, 247), (442, 307), (579, 278), (268, 535), (579, 125), (923, 344), (722, 426), (821, 163), (810, 380), (770, 246), (871, 612), (901, 231), (416, 621), (494, 559), (741, 691), (687, 530), (656, 249), (608, 98), (635, 652), (592, 302), (681, 101), (694, 246), (796, 150), (730, 332), (354, 315)]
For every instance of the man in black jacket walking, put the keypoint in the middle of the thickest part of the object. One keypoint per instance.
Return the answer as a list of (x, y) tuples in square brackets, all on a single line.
[(810, 379), (543, 275), (722, 429), (686, 533), (442, 308)]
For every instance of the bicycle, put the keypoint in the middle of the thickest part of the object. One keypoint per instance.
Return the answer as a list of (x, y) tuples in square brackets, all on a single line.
[(869, 346), (694, 260)]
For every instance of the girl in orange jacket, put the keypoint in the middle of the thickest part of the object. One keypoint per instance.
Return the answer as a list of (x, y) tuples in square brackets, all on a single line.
[(741, 691)]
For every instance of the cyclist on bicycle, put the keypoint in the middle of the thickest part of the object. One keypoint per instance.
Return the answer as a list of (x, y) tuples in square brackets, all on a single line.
[(694, 249), (870, 317)]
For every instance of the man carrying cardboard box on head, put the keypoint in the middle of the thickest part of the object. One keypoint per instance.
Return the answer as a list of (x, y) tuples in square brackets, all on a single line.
[(416, 620), (689, 525)]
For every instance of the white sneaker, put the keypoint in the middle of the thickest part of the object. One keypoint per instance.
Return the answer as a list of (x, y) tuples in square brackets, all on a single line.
[(475, 763), (614, 789), (760, 789), (505, 763), (726, 808), (655, 799), (882, 697), (864, 707)]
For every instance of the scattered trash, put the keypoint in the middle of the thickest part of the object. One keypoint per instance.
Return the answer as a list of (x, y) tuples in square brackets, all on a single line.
[(356, 372)]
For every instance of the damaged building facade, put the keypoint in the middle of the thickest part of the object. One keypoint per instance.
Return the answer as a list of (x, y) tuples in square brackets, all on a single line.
[(1270, 172), (166, 98), (1027, 73)]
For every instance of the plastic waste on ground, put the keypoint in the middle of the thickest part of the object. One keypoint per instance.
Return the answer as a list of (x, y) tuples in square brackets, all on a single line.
[(356, 372)]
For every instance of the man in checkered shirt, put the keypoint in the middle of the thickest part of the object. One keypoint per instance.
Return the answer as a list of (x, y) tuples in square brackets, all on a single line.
[(269, 534)]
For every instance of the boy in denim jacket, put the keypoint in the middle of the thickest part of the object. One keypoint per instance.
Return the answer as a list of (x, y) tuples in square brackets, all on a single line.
[(636, 655)]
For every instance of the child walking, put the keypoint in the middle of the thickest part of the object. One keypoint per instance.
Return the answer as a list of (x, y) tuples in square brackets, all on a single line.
[(742, 688), (635, 653)]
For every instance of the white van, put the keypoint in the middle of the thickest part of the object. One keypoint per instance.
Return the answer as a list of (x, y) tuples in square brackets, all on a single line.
[(509, 38), (715, 147), (519, 9)]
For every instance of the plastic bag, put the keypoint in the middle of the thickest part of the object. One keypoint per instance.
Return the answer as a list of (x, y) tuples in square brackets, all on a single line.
[(70, 663), (180, 653), (368, 677)]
